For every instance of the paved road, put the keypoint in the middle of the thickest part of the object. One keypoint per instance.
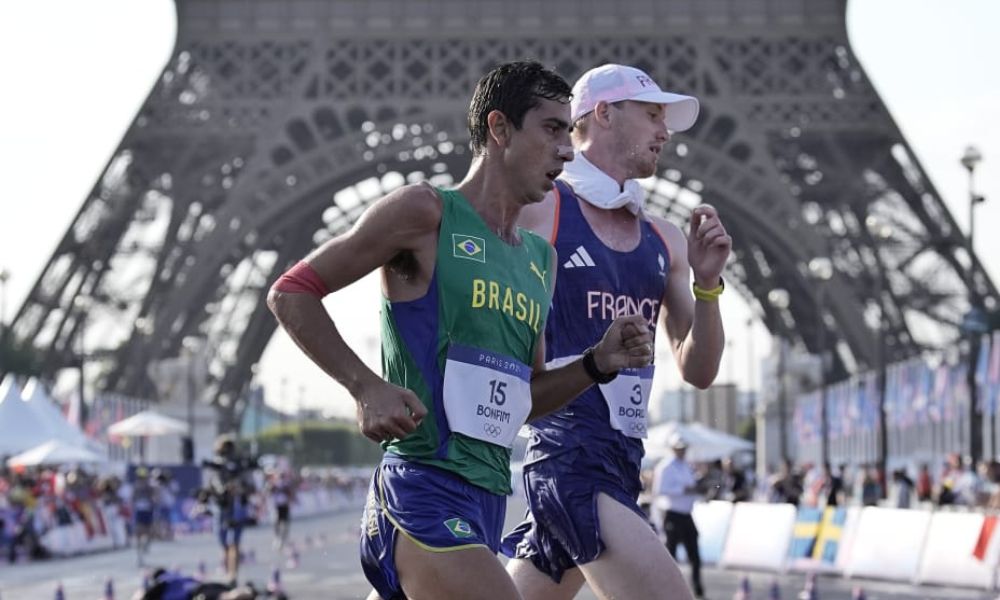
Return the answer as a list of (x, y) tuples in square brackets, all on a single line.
[(330, 570)]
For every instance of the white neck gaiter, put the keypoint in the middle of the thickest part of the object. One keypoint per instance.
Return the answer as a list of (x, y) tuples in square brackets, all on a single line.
[(599, 189)]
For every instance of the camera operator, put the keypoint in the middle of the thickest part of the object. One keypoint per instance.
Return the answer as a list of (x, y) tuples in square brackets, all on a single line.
[(230, 486)]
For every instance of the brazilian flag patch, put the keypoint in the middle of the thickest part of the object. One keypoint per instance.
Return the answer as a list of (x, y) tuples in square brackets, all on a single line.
[(459, 528), (469, 247)]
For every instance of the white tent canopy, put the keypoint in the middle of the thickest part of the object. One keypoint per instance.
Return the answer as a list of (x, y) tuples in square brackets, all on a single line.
[(147, 423), (55, 452), (22, 427), (55, 424), (704, 443)]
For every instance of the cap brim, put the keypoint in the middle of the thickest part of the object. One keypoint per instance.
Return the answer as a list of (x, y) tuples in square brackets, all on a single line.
[(682, 111)]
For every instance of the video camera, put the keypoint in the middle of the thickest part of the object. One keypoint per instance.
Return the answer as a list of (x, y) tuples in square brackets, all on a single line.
[(229, 468)]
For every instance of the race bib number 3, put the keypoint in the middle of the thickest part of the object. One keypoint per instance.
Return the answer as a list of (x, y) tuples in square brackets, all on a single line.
[(487, 395), (628, 400)]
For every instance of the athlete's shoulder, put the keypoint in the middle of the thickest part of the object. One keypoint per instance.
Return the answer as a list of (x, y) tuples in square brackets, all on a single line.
[(411, 209), (672, 235), (539, 217)]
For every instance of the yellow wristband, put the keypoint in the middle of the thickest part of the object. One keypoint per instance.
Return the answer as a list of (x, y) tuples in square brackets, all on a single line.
[(711, 295)]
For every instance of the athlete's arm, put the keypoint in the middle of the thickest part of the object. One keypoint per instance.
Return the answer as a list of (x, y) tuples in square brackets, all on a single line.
[(626, 344), (694, 327), (403, 223)]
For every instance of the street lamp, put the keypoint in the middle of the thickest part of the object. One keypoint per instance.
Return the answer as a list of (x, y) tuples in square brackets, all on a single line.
[(973, 321), (881, 232), (970, 158), (780, 300), (82, 305), (191, 351), (821, 270)]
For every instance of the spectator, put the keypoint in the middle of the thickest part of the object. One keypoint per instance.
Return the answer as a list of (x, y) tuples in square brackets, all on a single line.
[(735, 486), (834, 485), (904, 488), (871, 490), (924, 485), (677, 489), (786, 486)]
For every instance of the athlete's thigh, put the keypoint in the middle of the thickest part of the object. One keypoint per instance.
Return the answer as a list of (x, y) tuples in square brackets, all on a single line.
[(536, 585), (472, 573), (634, 564)]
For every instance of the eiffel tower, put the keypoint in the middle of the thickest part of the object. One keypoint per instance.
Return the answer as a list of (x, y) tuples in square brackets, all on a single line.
[(276, 122)]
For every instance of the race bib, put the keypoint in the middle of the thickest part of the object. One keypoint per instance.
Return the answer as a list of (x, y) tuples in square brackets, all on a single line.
[(487, 396), (628, 400)]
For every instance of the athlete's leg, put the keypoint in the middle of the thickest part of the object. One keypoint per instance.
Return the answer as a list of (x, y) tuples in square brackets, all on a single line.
[(469, 574), (535, 585), (634, 564), (286, 527), (232, 554)]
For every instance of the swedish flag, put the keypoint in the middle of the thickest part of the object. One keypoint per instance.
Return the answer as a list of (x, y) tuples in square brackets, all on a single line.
[(807, 526), (828, 538)]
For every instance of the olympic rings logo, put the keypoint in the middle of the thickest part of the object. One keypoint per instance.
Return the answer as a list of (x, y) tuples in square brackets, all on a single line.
[(637, 427), (492, 430)]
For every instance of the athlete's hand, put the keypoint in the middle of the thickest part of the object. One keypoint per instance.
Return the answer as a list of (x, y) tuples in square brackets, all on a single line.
[(387, 411), (708, 246), (628, 343)]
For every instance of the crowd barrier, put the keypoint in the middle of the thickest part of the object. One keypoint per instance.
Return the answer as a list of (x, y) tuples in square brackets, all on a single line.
[(907, 545), (759, 536), (94, 528)]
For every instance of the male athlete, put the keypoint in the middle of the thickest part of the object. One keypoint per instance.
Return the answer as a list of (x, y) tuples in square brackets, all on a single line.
[(466, 294), (581, 470)]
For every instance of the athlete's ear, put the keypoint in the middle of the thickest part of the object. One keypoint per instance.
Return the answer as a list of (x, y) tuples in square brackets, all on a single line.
[(602, 114), (500, 127)]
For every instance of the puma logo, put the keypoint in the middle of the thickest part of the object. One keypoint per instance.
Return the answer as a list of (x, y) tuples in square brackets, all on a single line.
[(541, 274)]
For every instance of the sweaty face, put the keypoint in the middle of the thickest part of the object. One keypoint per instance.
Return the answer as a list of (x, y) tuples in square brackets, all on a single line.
[(640, 133), (538, 150)]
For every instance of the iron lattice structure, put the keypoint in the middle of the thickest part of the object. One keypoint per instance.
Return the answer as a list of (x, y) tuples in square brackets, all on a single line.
[(276, 122)]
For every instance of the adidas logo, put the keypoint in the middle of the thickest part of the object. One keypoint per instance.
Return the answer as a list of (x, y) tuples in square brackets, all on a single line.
[(579, 258)]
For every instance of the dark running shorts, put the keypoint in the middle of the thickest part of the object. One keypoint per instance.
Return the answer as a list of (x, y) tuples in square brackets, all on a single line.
[(435, 509), (561, 529)]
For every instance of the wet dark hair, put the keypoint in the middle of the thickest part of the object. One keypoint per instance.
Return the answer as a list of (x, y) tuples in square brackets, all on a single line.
[(513, 88)]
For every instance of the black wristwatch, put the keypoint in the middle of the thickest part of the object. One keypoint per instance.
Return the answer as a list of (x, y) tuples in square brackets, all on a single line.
[(590, 366)]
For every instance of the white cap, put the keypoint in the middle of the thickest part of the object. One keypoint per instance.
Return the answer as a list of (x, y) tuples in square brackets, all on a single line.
[(614, 83)]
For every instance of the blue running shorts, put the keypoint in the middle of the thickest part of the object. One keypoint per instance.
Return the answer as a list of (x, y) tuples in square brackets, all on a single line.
[(562, 529), (435, 509)]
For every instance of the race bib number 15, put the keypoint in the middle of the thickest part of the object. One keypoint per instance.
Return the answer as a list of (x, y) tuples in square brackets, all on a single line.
[(487, 395)]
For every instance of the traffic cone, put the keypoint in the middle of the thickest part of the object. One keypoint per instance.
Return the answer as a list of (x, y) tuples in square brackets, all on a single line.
[(293, 557), (858, 593), (274, 586), (775, 592), (202, 572), (109, 589), (744, 592), (809, 592), (59, 592)]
